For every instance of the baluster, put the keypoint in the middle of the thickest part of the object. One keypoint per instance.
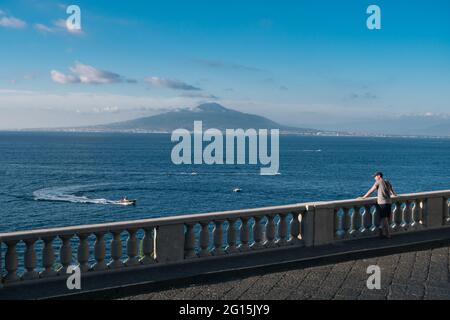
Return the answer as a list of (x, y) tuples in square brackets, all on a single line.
[(295, 228), (132, 251), (346, 217), (375, 219), (65, 253), (83, 252), (419, 213), (338, 224), (270, 231), (414, 214), (218, 238), (232, 236), (48, 258), (99, 251), (30, 260), (405, 210), (350, 221), (408, 213), (357, 221), (367, 219), (148, 247), (11, 262), (398, 215), (282, 229), (204, 239), (116, 250), (258, 234), (245, 234), (189, 242), (393, 218)]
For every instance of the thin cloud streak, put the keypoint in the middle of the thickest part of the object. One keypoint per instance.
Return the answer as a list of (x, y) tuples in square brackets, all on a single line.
[(171, 84), (82, 73), (11, 22), (223, 65)]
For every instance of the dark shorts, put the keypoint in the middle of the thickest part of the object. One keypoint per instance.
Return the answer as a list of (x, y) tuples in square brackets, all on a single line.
[(385, 210)]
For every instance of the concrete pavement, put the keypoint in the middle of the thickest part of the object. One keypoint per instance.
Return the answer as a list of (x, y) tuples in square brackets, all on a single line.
[(421, 274)]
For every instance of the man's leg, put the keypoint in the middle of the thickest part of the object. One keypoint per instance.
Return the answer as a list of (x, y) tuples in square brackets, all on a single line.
[(386, 221), (381, 226)]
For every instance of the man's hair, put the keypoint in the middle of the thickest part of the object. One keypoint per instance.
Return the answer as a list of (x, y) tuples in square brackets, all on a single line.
[(378, 173)]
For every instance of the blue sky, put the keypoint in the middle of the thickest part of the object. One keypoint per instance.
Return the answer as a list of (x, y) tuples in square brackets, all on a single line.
[(309, 63)]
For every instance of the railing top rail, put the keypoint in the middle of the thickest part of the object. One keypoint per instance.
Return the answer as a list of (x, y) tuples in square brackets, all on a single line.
[(148, 223), (369, 201), (195, 218)]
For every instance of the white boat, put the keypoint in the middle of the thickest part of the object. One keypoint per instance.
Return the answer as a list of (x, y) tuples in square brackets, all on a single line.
[(127, 202)]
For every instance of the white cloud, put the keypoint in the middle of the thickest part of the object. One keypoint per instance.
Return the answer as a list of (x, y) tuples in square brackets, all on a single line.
[(58, 26), (61, 78), (171, 84), (82, 73), (11, 22), (200, 95), (107, 109), (43, 28)]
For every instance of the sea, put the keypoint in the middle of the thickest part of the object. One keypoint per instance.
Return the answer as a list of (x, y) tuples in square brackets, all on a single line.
[(66, 179)]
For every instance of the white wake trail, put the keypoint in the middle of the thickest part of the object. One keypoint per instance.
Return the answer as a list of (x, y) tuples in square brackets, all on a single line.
[(67, 194)]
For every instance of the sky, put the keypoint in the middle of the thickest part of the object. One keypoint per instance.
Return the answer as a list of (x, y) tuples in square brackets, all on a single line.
[(303, 63)]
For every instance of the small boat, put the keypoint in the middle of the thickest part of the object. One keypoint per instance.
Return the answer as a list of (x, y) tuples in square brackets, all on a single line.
[(237, 190), (127, 202)]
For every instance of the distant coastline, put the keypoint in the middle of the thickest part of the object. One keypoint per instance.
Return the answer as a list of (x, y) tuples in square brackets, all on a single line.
[(213, 115), (283, 133)]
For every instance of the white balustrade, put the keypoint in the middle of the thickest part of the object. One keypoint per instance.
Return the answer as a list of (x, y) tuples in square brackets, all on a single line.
[(99, 252), (30, 260), (270, 231), (232, 236), (148, 247), (206, 236), (218, 238)]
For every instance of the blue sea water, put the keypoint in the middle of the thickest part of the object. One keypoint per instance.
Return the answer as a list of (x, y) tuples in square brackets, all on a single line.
[(63, 179)]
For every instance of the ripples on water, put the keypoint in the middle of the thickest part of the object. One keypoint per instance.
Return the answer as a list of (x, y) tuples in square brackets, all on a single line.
[(50, 179)]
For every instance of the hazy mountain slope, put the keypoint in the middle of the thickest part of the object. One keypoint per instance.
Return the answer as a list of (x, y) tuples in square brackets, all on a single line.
[(213, 115)]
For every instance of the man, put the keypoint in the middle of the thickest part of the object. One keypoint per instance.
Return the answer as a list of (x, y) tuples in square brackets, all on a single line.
[(384, 202)]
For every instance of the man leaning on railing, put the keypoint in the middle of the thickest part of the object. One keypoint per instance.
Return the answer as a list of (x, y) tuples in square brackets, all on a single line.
[(384, 202)]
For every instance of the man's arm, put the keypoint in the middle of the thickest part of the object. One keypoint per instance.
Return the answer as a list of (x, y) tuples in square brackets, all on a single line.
[(372, 190)]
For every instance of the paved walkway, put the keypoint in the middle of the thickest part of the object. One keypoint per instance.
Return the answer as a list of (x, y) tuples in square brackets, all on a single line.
[(412, 275)]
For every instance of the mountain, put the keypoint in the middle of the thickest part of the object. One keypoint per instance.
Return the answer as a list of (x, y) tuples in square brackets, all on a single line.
[(213, 115)]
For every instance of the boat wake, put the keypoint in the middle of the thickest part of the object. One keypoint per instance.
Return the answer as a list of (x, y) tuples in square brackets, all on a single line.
[(69, 194)]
